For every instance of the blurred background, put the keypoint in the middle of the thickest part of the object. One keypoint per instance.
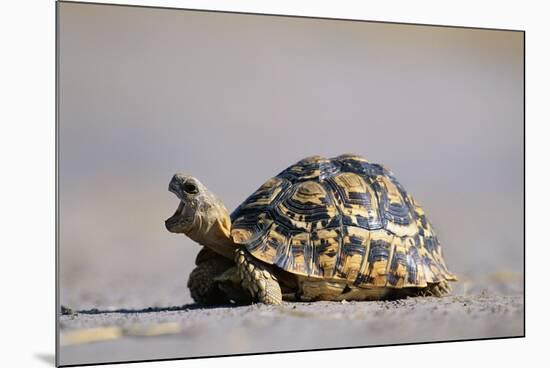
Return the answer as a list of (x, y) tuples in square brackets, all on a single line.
[(234, 99)]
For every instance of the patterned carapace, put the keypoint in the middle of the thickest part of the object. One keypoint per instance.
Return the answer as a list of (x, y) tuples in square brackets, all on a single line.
[(344, 219)]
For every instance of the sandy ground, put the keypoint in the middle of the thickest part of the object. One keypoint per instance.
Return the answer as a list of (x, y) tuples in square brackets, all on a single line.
[(492, 307)]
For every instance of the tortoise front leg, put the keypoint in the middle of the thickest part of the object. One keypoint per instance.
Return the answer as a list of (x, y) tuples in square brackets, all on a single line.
[(229, 283), (202, 283), (257, 279)]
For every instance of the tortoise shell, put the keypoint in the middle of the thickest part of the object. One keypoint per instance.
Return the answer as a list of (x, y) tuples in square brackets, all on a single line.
[(341, 219)]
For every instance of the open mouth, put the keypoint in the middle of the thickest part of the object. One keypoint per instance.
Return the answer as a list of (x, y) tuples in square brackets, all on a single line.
[(176, 217), (181, 206), (181, 218), (179, 210), (177, 214)]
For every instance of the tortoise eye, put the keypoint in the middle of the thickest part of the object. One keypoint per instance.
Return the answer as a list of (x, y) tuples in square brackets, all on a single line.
[(190, 188)]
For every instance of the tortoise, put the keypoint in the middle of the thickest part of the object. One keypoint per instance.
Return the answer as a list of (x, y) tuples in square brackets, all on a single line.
[(333, 229)]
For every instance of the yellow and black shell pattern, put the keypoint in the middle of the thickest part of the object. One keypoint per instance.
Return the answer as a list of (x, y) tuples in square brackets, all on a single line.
[(343, 219)]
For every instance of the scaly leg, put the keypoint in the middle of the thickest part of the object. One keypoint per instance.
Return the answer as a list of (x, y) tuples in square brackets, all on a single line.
[(202, 284), (257, 279), (437, 289), (229, 283)]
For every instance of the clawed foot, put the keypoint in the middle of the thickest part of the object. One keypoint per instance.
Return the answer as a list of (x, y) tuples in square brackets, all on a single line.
[(257, 279)]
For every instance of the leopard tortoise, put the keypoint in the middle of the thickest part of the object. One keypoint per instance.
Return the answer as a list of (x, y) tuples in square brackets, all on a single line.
[(323, 229)]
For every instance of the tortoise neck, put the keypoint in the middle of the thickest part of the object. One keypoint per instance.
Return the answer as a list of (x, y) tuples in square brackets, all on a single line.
[(214, 232)]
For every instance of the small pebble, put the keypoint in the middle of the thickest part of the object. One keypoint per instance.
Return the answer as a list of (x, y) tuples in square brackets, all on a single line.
[(66, 310)]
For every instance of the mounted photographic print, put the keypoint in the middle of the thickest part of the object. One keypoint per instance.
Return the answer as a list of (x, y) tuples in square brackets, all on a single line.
[(233, 183)]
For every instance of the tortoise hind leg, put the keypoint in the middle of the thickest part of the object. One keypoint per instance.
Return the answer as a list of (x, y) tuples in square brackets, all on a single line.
[(257, 279), (438, 289)]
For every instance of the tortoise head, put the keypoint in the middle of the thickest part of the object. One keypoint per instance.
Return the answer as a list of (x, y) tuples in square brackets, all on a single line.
[(200, 215)]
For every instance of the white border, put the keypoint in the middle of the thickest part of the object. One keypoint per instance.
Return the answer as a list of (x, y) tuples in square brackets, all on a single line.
[(27, 154), (468, 13)]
